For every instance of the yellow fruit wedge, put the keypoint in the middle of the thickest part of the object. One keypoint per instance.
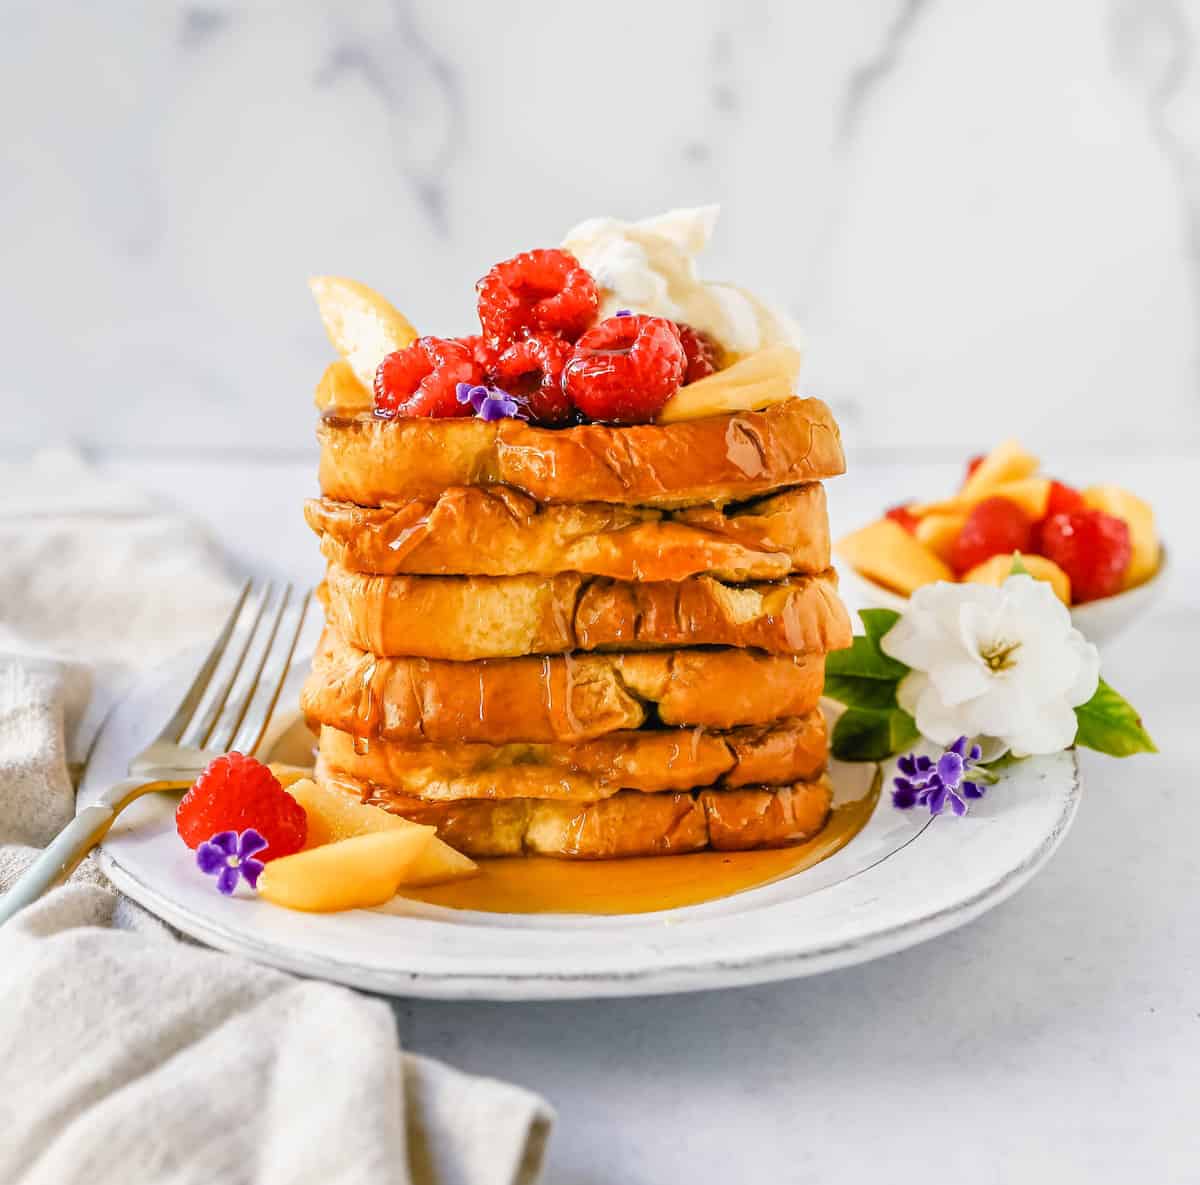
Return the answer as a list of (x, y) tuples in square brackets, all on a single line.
[(998, 569), (1138, 516), (1007, 462), (886, 553), (939, 532), (1031, 494), (363, 326), (334, 815), (767, 376), (287, 775), (355, 873), (340, 391)]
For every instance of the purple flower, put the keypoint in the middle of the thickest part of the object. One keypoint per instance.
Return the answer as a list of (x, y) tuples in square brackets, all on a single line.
[(623, 313), (228, 856), (936, 785), (490, 403)]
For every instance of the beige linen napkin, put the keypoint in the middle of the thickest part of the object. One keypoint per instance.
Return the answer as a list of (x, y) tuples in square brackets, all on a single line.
[(130, 1055)]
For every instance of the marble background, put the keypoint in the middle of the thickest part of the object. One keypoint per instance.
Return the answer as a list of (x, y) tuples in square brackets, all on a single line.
[(986, 214)]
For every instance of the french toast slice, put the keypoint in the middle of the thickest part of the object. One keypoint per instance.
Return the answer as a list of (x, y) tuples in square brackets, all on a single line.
[(717, 459), (498, 531), (649, 760), (463, 618), (629, 823), (559, 698)]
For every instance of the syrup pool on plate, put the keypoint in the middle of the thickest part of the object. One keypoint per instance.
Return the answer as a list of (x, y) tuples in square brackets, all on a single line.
[(541, 884)]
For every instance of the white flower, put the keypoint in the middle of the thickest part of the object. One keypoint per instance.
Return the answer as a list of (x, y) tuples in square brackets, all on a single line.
[(993, 662)]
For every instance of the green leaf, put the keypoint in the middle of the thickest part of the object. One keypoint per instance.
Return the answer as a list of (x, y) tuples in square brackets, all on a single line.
[(877, 622), (864, 659), (1018, 566), (857, 692), (1109, 724), (864, 735)]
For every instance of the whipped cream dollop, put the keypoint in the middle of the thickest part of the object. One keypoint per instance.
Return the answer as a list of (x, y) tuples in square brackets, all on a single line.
[(650, 267)]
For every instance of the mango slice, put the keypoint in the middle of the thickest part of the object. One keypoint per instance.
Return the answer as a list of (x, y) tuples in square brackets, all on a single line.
[(363, 326), (1138, 516), (886, 553), (334, 816), (1030, 493), (939, 532), (767, 376), (1007, 462), (998, 569), (353, 873), (340, 391)]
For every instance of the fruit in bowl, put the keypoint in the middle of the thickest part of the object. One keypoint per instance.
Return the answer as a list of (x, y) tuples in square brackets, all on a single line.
[(1091, 545)]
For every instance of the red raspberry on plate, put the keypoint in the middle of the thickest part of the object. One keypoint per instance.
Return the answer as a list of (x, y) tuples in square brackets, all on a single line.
[(234, 793), (902, 515), (532, 368), (995, 526), (624, 369), (701, 351), (1092, 548), (543, 291), (422, 380)]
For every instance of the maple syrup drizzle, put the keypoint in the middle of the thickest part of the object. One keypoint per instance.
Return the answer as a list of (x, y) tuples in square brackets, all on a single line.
[(540, 884)]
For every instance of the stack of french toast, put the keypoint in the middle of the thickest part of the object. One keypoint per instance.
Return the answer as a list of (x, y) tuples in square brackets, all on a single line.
[(588, 641)]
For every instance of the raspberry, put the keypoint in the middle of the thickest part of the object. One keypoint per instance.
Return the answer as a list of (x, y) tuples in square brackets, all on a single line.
[(483, 354), (996, 526), (902, 515), (701, 351), (624, 369), (237, 792), (421, 380), (535, 292), (532, 368), (1092, 548)]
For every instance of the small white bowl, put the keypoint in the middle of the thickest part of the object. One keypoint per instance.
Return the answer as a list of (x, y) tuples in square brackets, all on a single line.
[(1099, 621)]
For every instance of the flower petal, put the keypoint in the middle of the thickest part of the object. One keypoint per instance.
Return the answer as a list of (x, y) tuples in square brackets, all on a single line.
[(251, 871), (250, 843), (972, 789), (957, 805), (227, 841), (227, 881), (210, 859), (936, 799)]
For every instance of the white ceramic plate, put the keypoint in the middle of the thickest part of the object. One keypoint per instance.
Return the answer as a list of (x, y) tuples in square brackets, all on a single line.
[(904, 878)]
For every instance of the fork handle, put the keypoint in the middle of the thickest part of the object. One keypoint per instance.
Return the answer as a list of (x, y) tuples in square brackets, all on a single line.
[(68, 848)]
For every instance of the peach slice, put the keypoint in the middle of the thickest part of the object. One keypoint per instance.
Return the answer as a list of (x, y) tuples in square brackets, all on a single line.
[(340, 391), (885, 552), (1138, 516), (334, 815), (355, 873), (1031, 494), (939, 532), (363, 326), (1007, 462), (767, 376), (998, 569)]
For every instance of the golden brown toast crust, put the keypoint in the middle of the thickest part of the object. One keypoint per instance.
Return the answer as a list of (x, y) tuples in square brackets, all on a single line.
[(467, 618), (627, 824), (649, 760), (472, 531), (561, 698), (718, 459)]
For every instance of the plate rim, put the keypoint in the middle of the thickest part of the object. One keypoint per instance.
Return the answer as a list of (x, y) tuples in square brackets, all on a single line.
[(684, 973)]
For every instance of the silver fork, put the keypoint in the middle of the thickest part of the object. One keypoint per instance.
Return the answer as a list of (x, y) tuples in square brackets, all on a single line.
[(228, 706)]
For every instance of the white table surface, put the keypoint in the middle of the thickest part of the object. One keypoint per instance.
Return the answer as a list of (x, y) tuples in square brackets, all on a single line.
[(1055, 1039)]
